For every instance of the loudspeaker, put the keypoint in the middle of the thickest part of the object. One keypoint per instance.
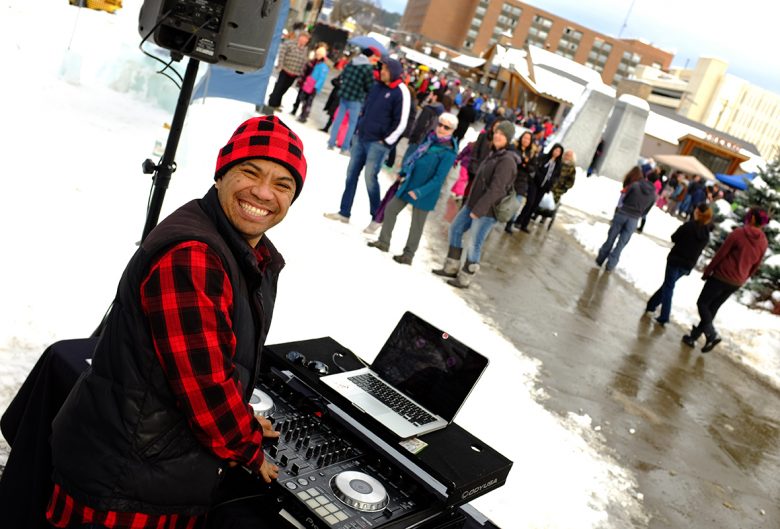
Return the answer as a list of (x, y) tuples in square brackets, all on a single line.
[(232, 33)]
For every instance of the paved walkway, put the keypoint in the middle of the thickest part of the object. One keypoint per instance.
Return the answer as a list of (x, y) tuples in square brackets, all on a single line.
[(699, 432)]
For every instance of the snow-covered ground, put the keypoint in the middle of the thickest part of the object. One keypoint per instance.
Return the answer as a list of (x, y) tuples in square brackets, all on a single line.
[(79, 121)]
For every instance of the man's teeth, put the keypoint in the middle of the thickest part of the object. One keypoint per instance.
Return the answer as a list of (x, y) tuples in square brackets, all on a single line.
[(253, 210)]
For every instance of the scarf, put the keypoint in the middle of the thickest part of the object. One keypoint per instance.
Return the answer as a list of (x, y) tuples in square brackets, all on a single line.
[(550, 165), (430, 139)]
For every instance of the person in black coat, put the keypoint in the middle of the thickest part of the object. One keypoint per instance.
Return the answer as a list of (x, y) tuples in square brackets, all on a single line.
[(526, 151), (689, 240), (466, 116), (548, 169), (333, 103), (479, 152)]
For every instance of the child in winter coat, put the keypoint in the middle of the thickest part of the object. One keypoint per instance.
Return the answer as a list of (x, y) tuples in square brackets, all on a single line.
[(464, 157)]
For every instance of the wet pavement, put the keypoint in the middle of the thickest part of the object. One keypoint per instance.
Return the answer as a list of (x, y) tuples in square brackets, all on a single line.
[(698, 431)]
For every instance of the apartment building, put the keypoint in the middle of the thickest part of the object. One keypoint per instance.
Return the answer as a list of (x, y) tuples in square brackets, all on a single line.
[(473, 26), (707, 94)]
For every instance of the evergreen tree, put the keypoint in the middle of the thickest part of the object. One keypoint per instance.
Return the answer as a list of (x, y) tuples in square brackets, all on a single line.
[(765, 194)]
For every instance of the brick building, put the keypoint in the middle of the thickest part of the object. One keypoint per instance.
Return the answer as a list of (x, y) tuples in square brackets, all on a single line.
[(472, 26)]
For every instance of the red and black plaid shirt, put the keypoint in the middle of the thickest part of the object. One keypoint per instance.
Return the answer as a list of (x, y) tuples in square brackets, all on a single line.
[(188, 300)]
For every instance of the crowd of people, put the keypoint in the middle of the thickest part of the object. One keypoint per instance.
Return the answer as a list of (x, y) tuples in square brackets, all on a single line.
[(385, 100)]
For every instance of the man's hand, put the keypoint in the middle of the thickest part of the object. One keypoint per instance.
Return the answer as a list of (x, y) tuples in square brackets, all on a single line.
[(473, 216), (268, 428), (413, 195), (268, 471)]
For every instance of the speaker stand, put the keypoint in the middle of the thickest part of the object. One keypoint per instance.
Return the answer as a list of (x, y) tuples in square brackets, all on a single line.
[(163, 171)]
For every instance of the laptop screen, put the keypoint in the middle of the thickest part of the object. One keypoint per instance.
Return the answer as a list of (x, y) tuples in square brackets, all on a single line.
[(429, 365)]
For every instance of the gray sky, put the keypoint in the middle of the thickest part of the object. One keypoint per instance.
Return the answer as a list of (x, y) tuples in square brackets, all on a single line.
[(741, 33)]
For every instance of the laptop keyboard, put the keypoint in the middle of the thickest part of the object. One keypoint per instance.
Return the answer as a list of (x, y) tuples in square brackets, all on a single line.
[(393, 399)]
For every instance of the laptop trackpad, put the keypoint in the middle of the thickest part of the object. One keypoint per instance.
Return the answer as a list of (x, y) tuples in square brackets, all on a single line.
[(371, 406)]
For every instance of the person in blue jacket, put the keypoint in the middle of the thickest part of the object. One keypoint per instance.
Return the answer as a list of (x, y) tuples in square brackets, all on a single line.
[(382, 121), (421, 177), (312, 81)]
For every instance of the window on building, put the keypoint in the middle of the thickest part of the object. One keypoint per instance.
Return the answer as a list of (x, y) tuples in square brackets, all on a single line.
[(569, 43), (468, 44), (598, 55), (537, 33), (712, 161)]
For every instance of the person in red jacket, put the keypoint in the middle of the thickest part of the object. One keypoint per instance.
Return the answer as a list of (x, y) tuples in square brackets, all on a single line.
[(732, 265)]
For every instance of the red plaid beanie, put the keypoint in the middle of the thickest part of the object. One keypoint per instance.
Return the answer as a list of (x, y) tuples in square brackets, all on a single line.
[(265, 137)]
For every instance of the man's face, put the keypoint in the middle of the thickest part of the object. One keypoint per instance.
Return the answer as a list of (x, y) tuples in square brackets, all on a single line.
[(303, 40), (255, 196), (384, 74)]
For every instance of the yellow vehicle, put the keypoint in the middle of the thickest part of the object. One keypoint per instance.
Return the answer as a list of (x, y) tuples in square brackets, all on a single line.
[(101, 5)]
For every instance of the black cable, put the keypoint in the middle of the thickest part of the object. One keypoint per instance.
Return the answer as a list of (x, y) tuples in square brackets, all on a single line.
[(341, 355), (165, 66), (184, 46)]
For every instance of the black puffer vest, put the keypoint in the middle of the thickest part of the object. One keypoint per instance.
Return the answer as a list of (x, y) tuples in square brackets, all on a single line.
[(120, 442)]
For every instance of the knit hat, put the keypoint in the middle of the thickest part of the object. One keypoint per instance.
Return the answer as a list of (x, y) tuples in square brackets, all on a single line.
[(507, 129), (265, 137), (394, 67)]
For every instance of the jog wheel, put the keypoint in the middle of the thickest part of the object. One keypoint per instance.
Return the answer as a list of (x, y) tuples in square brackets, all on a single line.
[(359, 491), (261, 403)]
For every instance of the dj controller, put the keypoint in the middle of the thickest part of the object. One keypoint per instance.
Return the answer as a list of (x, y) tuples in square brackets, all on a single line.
[(330, 478)]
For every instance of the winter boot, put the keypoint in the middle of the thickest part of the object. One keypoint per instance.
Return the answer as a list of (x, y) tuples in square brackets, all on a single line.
[(465, 275), (690, 339), (451, 264), (712, 341)]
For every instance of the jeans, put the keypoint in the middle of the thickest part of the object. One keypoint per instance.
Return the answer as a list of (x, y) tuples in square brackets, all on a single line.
[(621, 228), (353, 107), (663, 296), (368, 154), (714, 293), (461, 224)]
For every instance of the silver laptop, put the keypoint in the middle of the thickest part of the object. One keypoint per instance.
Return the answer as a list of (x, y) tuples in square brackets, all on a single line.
[(418, 381)]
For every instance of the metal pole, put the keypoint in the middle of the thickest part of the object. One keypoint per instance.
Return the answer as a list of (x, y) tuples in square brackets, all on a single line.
[(167, 165)]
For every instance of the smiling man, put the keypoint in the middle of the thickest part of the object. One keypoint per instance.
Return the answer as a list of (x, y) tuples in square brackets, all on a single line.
[(147, 434)]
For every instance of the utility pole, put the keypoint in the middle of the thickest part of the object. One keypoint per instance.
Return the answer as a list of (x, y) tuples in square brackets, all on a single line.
[(625, 22)]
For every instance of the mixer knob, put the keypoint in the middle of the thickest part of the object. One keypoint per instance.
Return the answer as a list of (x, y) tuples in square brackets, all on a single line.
[(295, 469), (281, 426), (287, 435), (317, 450), (283, 460), (306, 440), (273, 451), (298, 444), (320, 461), (309, 452)]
